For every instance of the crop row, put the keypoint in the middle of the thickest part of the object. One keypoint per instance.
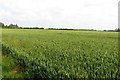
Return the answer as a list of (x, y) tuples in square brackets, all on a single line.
[(40, 68)]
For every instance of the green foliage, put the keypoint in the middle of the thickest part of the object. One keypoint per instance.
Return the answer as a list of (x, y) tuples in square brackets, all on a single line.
[(64, 54), (11, 26), (117, 30), (8, 64)]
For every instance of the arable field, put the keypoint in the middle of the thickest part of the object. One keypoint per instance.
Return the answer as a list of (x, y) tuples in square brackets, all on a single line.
[(63, 53)]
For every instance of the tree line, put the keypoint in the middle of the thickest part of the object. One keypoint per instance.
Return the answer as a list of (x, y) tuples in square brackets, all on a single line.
[(8, 26), (15, 26)]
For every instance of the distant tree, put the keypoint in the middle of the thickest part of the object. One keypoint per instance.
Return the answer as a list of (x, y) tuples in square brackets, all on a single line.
[(13, 26), (10, 26), (20, 27), (1, 25), (16, 26), (35, 28), (117, 29), (41, 28)]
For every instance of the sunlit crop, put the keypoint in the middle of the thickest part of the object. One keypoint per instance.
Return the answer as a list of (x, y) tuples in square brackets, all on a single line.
[(62, 53)]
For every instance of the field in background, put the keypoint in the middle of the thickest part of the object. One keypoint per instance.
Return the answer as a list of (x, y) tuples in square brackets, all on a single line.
[(62, 53)]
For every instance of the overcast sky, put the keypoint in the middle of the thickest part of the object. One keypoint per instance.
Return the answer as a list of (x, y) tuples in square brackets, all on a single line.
[(85, 14)]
